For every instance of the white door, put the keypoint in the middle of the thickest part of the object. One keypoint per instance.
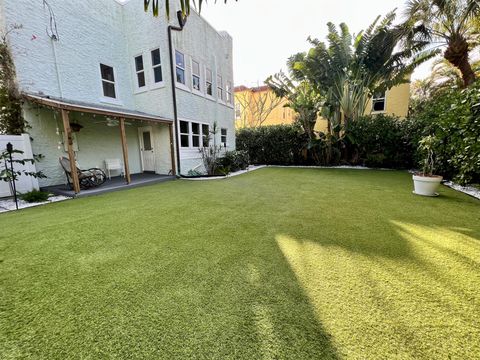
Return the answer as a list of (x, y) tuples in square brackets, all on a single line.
[(146, 148)]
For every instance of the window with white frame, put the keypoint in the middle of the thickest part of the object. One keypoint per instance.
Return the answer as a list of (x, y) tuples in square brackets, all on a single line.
[(180, 67), (208, 82), (378, 101), (140, 71), (108, 81), (195, 75), (156, 66), (223, 137), (194, 134), (219, 87), (228, 91)]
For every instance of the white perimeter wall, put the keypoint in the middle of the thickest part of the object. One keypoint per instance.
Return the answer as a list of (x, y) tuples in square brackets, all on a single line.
[(24, 183)]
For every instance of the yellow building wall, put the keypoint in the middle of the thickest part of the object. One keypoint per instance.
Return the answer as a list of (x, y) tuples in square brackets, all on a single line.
[(279, 115), (397, 100)]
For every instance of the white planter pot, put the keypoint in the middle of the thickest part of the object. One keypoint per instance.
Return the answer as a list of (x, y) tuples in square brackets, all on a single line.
[(426, 185)]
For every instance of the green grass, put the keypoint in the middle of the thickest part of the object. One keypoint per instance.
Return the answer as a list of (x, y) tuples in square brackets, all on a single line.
[(275, 264)]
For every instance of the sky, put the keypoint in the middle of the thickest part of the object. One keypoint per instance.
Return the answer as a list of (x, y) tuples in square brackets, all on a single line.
[(266, 32)]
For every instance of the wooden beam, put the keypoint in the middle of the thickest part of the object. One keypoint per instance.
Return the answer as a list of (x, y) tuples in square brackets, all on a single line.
[(172, 149), (71, 155), (123, 136)]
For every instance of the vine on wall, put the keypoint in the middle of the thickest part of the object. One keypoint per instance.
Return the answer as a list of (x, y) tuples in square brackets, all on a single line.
[(11, 118)]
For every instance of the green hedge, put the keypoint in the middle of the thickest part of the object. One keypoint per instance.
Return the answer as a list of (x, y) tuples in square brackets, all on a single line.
[(384, 141), (273, 145)]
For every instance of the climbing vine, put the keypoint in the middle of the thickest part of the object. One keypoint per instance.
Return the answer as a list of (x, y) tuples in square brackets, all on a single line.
[(11, 118)]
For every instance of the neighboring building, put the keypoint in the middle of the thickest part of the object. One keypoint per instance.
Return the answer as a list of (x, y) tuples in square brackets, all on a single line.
[(394, 102), (259, 106), (102, 61)]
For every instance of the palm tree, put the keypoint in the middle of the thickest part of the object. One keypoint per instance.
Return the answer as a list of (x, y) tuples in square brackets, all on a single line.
[(449, 24), (347, 70), (184, 6)]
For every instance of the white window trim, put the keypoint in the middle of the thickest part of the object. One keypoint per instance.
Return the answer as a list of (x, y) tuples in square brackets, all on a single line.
[(220, 99), (190, 134), (107, 99), (208, 96), (384, 104), (231, 102), (160, 84), (200, 75), (179, 85), (137, 89)]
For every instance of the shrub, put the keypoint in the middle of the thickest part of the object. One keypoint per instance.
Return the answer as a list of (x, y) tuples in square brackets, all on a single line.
[(453, 117), (234, 161), (35, 196), (273, 145), (383, 141)]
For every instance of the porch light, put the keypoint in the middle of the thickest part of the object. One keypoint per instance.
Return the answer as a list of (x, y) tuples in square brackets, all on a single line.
[(76, 127)]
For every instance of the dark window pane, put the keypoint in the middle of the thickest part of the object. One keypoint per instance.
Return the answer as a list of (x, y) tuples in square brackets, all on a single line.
[(108, 89), (139, 63), (184, 141), (107, 72), (209, 89), (195, 128), (141, 79), (378, 105), (156, 57), (196, 82), (157, 74), (184, 127), (147, 141), (205, 129), (179, 59), (196, 141), (180, 76), (206, 135)]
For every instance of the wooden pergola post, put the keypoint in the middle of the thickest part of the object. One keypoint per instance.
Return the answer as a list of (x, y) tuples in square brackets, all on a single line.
[(172, 149), (71, 155), (123, 136)]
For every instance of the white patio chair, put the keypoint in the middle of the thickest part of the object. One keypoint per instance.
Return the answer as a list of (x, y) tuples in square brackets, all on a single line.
[(113, 164)]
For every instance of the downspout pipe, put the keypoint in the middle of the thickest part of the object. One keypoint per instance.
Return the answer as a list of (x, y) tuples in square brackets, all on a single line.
[(182, 21)]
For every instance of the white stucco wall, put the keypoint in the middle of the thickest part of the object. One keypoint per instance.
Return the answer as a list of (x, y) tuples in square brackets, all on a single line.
[(103, 31)]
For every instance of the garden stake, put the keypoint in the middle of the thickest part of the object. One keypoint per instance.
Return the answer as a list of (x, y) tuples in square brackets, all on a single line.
[(10, 150)]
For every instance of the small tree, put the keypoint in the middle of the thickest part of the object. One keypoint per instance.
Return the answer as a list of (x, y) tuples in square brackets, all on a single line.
[(8, 172), (211, 152)]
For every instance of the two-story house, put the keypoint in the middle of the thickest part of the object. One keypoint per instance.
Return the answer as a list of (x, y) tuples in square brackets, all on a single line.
[(104, 79)]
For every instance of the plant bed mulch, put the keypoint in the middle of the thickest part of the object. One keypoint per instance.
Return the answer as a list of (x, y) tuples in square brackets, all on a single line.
[(8, 204)]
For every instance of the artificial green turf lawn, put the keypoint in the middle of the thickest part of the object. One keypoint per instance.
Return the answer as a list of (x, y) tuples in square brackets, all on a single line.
[(275, 264)]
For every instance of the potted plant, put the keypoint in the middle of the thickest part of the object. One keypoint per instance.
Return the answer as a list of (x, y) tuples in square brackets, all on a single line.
[(425, 183)]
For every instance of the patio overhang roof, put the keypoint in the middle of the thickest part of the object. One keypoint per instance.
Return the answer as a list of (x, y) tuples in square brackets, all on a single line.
[(65, 106), (71, 105)]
